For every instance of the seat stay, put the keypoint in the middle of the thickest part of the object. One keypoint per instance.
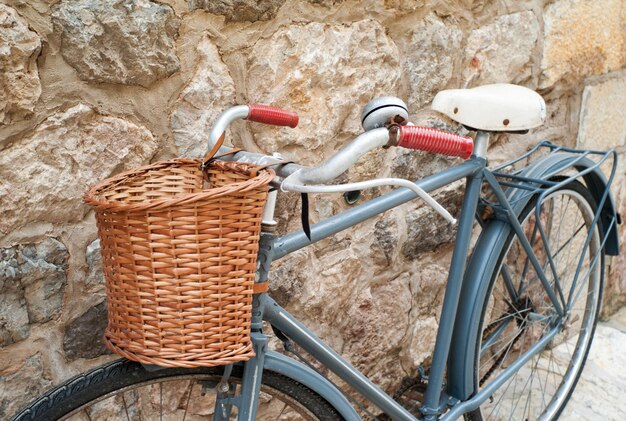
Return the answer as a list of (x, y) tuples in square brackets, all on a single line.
[(512, 219)]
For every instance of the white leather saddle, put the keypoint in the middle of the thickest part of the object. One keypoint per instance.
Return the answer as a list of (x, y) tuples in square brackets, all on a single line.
[(500, 107)]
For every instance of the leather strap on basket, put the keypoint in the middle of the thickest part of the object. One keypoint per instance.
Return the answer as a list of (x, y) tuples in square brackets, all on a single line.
[(304, 217), (260, 287), (210, 156)]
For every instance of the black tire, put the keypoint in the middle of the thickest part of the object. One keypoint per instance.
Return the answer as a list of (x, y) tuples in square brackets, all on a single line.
[(97, 394), (509, 328)]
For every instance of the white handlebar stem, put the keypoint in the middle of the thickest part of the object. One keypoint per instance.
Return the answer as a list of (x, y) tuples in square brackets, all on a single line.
[(345, 157)]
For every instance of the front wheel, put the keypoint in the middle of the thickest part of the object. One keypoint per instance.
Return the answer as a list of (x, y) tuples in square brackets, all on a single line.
[(517, 312), (125, 390)]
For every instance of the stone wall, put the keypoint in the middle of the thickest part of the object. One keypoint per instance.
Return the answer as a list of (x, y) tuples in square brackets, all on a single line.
[(89, 88)]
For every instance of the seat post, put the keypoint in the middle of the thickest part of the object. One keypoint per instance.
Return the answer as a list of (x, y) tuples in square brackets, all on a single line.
[(480, 144)]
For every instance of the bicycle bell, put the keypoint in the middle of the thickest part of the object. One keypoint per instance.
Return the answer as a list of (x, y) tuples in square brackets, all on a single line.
[(382, 111)]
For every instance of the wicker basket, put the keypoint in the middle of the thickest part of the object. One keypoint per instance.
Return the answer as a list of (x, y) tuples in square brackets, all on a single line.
[(179, 258)]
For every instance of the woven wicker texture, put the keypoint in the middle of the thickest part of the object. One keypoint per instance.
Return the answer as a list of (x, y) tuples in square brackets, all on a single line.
[(179, 258)]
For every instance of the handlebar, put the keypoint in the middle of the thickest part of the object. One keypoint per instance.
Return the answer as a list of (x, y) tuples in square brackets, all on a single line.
[(304, 179), (409, 136), (255, 112)]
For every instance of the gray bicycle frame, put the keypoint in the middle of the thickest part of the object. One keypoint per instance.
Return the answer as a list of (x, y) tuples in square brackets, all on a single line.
[(436, 399)]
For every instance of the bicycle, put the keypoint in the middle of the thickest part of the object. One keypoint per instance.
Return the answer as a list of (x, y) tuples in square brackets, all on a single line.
[(520, 309)]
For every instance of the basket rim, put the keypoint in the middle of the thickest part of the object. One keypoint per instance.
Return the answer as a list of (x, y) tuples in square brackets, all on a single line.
[(92, 196)]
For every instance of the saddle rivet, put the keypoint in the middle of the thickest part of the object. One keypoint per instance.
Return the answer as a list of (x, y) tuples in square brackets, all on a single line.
[(506, 122), (456, 110)]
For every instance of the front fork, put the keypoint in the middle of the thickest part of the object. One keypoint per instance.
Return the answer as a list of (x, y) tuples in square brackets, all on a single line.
[(248, 398), (247, 401)]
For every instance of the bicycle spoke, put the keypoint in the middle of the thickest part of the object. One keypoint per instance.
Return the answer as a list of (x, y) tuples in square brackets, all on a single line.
[(87, 414), (530, 376), (568, 243), (541, 385), (188, 399), (506, 346), (527, 265), (586, 277), (527, 405), (532, 371), (545, 385), (515, 377), (518, 401), (497, 405), (125, 408), (569, 260), (508, 316), (489, 342), (510, 381), (550, 263), (508, 282), (569, 352)]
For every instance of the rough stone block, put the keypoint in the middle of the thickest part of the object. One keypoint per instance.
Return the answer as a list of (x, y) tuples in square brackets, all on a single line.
[(240, 10), (83, 336), (325, 73), (377, 324), (32, 284), (427, 230), (288, 279), (582, 38), (603, 126), (19, 79), (501, 51), (209, 92), (428, 59), (386, 238), (118, 41), (47, 173), (327, 3), (21, 384), (95, 277), (404, 6), (602, 122)]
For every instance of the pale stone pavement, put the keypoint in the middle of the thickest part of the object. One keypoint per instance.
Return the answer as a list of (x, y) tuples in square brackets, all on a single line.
[(601, 391)]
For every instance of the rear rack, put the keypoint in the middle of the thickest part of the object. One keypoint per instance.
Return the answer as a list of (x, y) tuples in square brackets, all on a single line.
[(510, 177), (601, 156), (520, 187)]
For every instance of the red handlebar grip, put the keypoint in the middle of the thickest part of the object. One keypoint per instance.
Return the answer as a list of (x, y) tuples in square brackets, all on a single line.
[(272, 115), (437, 141)]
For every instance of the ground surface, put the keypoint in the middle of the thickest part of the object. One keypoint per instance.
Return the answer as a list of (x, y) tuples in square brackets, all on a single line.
[(600, 392)]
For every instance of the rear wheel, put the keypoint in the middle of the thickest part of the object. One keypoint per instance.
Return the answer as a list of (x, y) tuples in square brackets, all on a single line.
[(517, 312), (125, 390)]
